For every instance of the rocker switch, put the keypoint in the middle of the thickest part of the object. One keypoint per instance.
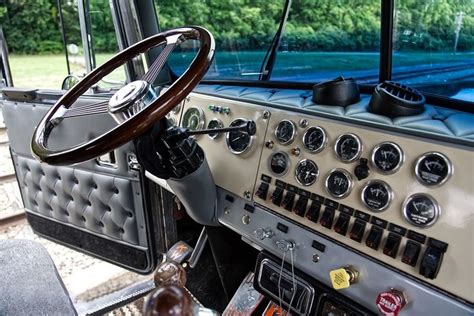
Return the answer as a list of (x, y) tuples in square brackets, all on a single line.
[(277, 196), (262, 191), (431, 262), (288, 201)]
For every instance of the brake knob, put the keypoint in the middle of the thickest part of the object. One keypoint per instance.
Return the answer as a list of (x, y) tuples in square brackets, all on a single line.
[(391, 302)]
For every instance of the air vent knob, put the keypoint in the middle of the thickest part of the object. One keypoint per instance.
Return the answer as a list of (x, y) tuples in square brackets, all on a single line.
[(361, 171)]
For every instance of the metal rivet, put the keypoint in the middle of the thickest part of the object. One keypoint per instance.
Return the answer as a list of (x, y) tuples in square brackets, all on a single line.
[(316, 258), (227, 211), (247, 195), (266, 115)]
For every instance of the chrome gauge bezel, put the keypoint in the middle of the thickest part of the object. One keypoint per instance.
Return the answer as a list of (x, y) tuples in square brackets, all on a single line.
[(400, 153), (269, 162), (324, 143), (202, 117), (359, 145), (446, 160), (349, 179), (429, 197), (227, 140), (293, 134), (296, 172), (387, 188), (219, 125)]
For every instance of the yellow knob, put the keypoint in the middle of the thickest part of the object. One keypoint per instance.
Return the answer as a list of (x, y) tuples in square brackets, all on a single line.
[(343, 278)]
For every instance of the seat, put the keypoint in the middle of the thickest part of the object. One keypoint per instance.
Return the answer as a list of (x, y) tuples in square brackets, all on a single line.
[(30, 283)]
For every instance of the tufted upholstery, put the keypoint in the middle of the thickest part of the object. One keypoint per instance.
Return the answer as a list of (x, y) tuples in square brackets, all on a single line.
[(96, 202), (435, 121)]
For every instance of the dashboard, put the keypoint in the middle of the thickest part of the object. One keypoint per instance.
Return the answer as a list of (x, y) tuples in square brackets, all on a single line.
[(395, 204)]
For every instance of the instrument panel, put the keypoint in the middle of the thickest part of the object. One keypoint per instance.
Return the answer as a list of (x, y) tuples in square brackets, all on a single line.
[(401, 200)]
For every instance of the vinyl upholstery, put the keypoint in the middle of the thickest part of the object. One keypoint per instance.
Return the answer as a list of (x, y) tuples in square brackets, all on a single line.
[(96, 202), (434, 120)]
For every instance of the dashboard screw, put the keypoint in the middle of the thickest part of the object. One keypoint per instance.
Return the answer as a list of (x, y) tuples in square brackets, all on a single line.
[(269, 144), (226, 211), (266, 114), (304, 123), (315, 258), (247, 195), (296, 151)]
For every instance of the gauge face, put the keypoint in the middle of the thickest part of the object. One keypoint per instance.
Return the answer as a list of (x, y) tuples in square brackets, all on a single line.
[(376, 195), (433, 169), (348, 147), (285, 132), (238, 142), (193, 119), (421, 210), (306, 172), (339, 183), (314, 139), (214, 123), (387, 157), (279, 163)]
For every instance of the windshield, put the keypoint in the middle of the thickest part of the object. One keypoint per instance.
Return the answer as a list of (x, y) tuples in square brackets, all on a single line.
[(433, 41)]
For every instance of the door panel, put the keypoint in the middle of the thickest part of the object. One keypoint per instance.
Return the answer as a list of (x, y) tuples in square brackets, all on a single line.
[(98, 209)]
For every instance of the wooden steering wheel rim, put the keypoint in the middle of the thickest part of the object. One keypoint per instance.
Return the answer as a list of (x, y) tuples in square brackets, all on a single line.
[(139, 123)]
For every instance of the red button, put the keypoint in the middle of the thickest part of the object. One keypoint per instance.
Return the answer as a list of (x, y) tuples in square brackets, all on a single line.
[(390, 303)]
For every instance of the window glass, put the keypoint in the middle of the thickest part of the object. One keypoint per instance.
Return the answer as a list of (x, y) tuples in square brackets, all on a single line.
[(433, 46), (324, 39), (243, 30)]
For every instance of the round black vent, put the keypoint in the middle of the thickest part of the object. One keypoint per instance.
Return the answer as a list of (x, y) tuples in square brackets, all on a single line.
[(393, 99), (338, 91)]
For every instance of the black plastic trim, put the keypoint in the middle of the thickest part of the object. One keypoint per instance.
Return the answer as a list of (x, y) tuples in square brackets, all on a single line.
[(386, 39)]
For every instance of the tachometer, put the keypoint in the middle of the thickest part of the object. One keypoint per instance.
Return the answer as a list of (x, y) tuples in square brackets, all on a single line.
[(314, 139), (348, 147), (377, 195), (214, 123), (433, 169), (238, 142), (194, 119), (285, 132), (279, 163), (339, 183), (306, 172), (387, 157), (421, 210)]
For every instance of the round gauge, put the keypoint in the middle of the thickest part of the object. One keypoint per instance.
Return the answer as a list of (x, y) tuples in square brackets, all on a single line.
[(387, 157), (314, 139), (193, 119), (279, 163), (238, 142), (306, 172), (421, 210), (433, 169), (348, 147), (214, 123), (285, 132), (377, 195), (339, 183)]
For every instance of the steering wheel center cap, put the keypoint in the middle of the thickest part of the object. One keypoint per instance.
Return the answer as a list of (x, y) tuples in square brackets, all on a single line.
[(130, 99)]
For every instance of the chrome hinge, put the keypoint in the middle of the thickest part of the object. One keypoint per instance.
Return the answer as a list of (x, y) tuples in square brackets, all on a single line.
[(133, 163)]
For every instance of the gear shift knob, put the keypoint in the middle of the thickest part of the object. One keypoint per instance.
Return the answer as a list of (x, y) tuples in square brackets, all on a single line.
[(169, 300), (170, 273)]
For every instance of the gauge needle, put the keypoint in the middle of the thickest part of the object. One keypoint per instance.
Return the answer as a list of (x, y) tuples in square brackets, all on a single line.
[(427, 165), (416, 207), (237, 138)]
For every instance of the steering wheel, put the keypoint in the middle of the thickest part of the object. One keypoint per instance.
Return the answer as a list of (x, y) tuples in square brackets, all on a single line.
[(135, 107)]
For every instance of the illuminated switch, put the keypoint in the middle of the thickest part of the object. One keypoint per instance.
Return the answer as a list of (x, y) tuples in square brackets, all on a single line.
[(343, 278), (391, 245), (327, 217), (277, 196), (374, 237), (313, 211), (288, 201), (358, 230), (300, 206), (262, 191), (342, 224), (411, 253)]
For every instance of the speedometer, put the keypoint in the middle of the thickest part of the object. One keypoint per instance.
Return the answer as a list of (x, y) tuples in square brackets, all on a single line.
[(421, 210), (194, 119), (348, 147), (306, 172), (285, 132), (314, 139), (377, 195), (238, 142), (433, 169), (387, 157)]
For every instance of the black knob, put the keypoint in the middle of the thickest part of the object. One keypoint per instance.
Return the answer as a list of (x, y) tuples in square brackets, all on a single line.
[(362, 170)]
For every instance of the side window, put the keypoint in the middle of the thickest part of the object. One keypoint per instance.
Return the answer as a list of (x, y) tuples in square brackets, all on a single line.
[(45, 42)]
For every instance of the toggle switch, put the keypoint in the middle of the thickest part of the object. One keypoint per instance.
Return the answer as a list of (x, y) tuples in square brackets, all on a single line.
[(343, 278)]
